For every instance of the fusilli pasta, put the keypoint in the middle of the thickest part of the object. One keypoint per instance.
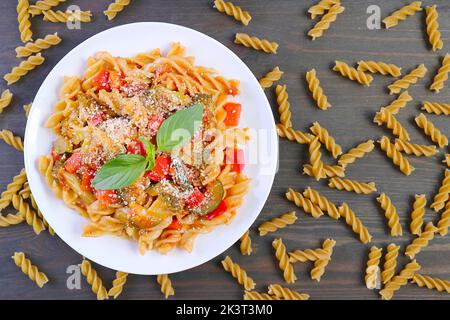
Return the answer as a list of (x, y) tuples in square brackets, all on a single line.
[(293, 135), (384, 116), (430, 130), (373, 268), (324, 204), (434, 35), (351, 73), (27, 109), (400, 280), (29, 269), (23, 68), (5, 99), (283, 258), (315, 158), (390, 263), (417, 214), (166, 285), (43, 5), (118, 283), (326, 139), (277, 223), (321, 7), (256, 43), (238, 273), (283, 105), (63, 17), (271, 77), (304, 203), (11, 139), (329, 171), (395, 106), (444, 221), (380, 67), (442, 75), (246, 244), (409, 79), (391, 214), (402, 14), (326, 21), (316, 90), (356, 153), (352, 185), (431, 283), (443, 194), (234, 11), (421, 241), (352, 220), (320, 264), (23, 18), (28, 214), (253, 295), (38, 45), (397, 158), (94, 280), (13, 188), (436, 108), (415, 149), (286, 293), (115, 7)]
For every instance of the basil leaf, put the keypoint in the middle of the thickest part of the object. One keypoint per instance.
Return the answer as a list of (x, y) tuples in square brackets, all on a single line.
[(150, 150), (120, 172), (177, 129)]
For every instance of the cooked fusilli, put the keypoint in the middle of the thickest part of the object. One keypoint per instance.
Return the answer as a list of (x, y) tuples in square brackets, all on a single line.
[(421, 241), (372, 276), (316, 90), (304, 203), (352, 220), (409, 79), (294, 135), (442, 75), (380, 67), (390, 263), (277, 223), (325, 22), (430, 130), (271, 77), (68, 16), (400, 280), (324, 204), (115, 7), (326, 139), (352, 185), (384, 116), (391, 214), (166, 285), (443, 194), (29, 269), (351, 73), (283, 258), (246, 244), (286, 293), (415, 149), (11, 139), (436, 108), (94, 280), (356, 153), (417, 214), (23, 18), (321, 7), (5, 99), (234, 11), (315, 158), (238, 273), (434, 35), (431, 283), (23, 68), (402, 14), (396, 156), (38, 45), (43, 5), (118, 283), (256, 43), (283, 105)]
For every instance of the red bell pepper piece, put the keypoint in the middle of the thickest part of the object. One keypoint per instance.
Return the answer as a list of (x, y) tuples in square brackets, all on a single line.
[(221, 209), (116, 79), (101, 81), (154, 123), (195, 198), (235, 158), (136, 147), (175, 225), (54, 155), (86, 179), (74, 163), (234, 88), (96, 118), (161, 169), (233, 111)]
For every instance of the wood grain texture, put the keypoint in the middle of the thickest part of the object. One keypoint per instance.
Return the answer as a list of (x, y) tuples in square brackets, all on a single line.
[(349, 121)]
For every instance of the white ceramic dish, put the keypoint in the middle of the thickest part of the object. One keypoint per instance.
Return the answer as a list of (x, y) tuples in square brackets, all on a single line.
[(122, 254)]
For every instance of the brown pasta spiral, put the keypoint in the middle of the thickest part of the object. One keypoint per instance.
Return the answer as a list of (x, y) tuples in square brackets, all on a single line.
[(431, 283), (355, 75), (352, 220), (30, 215), (380, 67), (5, 99), (402, 14), (409, 79), (356, 153), (422, 241), (315, 158), (442, 75), (352, 185), (430, 130), (43, 5), (320, 264), (115, 7), (316, 90), (23, 68), (166, 285), (326, 139), (277, 223), (396, 156), (286, 293), (38, 45), (304, 203), (443, 194), (283, 105), (417, 214), (118, 283), (391, 214), (436, 108), (400, 280), (246, 244), (256, 43), (94, 280), (63, 17), (234, 11), (322, 202), (283, 258), (444, 221), (326, 21), (321, 7), (294, 135), (384, 116), (271, 77), (390, 263), (11, 139), (373, 268), (434, 35), (29, 269), (23, 17), (415, 149)]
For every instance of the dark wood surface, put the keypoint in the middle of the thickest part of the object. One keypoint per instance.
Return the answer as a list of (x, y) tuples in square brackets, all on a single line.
[(349, 120)]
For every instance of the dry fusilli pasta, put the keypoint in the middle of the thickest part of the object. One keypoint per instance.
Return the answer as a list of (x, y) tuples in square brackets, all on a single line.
[(238, 273), (355, 75), (13, 188), (324, 204), (325, 22), (415, 149), (283, 258), (352, 220), (118, 283), (286, 293), (166, 285), (400, 280), (5, 99), (315, 158), (40, 215), (253, 295), (436, 108), (308, 255), (28, 214), (43, 5), (320, 264), (390, 263), (23, 18), (304, 203), (442, 75), (329, 171), (115, 7), (326, 139), (29, 269), (294, 135), (431, 283), (409, 79), (443, 194), (444, 221), (430, 130), (277, 223), (321, 7), (356, 153), (421, 241), (94, 280), (391, 214), (68, 16), (23, 68), (256, 43), (373, 268), (246, 244), (384, 116), (402, 14), (271, 77), (283, 105), (11, 139), (234, 11), (10, 220), (380, 67), (38, 45), (352, 185), (417, 214), (396, 156), (434, 35), (316, 90), (395, 106)]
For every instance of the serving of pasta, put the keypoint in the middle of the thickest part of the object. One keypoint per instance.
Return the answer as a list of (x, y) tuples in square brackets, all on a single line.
[(148, 148)]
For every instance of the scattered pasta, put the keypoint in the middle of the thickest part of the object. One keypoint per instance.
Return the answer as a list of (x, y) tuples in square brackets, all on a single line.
[(443, 194), (304, 203), (444, 222), (316, 90), (253, 295), (23, 18), (294, 135), (408, 80), (94, 280), (321, 7), (11, 139), (308, 255), (421, 241), (327, 19), (430, 130), (431, 283), (395, 106), (352, 185), (286, 293), (43, 5), (417, 214), (284, 107), (68, 16), (11, 220), (277, 223), (238, 273), (283, 258), (436, 108), (329, 171), (397, 158), (5, 99), (246, 244), (118, 284), (380, 67), (29, 269), (352, 220), (384, 116), (415, 149), (322, 202), (356, 153), (315, 158), (166, 285), (402, 14), (399, 280), (390, 263), (30, 216), (434, 35), (23, 68), (442, 75), (115, 7), (12, 189), (351, 73), (234, 11), (326, 139), (256, 43), (373, 268), (38, 45), (391, 214), (271, 77), (320, 264)]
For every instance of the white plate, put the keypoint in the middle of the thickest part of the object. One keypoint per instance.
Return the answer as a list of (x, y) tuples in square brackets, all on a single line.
[(128, 40)]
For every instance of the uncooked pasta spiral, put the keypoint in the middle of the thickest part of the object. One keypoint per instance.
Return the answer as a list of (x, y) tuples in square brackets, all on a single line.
[(11, 139), (329, 171), (30, 215), (308, 255), (315, 158), (23, 17), (283, 258), (271, 77), (324, 204), (10, 220), (326, 21), (238, 273), (234, 11), (40, 215), (246, 244), (13, 188), (355, 75), (277, 223), (430, 130), (94, 280), (115, 7), (421, 241), (306, 204), (400, 280), (352, 220), (26, 191), (283, 105), (356, 153), (442, 75), (118, 283), (68, 16), (5, 99), (256, 43), (409, 79), (444, 221), (373, 268), (395, 106), (391, 214), (417, 214), (380, 67), (434, 35), (390, 263), (166, 285), (415, 149), (23, 68), (396, 156), (443, 194), (43, 5), (29, 269), (286, 293), (352, 185), (293, 135), (384, 116), (38, 45), (436, 108), (316, 90), (320, 264), (431, 283), (321, 7), (253, 295), (447, 159), (326, 139), (27, 109), (402, 14)]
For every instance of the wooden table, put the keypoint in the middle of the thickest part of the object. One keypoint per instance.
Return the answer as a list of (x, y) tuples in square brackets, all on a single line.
[(349, 120)]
